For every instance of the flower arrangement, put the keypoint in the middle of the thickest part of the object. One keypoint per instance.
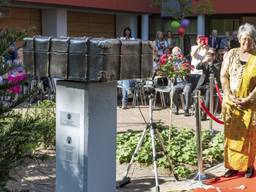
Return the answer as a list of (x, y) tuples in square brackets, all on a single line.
[(174, 65), (15, 77)]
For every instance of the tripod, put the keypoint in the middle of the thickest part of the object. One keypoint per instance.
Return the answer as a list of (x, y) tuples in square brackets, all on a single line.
[(150, 126)]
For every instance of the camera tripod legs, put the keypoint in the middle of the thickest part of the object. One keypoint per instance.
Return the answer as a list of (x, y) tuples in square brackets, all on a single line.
[(126, 180), (160, 138), (152, 135)]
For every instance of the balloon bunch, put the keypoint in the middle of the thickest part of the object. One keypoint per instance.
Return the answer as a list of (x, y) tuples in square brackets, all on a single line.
[(180, 26)]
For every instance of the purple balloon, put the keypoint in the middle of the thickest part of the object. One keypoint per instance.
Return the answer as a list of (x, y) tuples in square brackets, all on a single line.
[(184, 22)]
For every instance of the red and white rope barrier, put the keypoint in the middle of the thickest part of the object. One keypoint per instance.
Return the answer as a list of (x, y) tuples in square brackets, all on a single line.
[(218, 92), (202, 105)]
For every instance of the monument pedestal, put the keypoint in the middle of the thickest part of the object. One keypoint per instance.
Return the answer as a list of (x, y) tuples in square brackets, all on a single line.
[(85, 136)]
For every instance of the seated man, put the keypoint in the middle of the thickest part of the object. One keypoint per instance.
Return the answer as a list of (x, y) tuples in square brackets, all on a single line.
[(209, 66), (182, 85)]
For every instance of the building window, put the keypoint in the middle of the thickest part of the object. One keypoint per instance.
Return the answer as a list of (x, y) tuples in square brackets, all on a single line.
[(224, 25), (249, 19)]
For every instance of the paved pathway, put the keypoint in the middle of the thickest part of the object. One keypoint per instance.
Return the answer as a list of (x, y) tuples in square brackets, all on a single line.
[(132, 119)]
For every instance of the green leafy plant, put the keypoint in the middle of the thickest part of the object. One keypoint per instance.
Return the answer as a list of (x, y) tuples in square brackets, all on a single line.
[(23, 134), (181, 149), (213, 153), (20, 133)]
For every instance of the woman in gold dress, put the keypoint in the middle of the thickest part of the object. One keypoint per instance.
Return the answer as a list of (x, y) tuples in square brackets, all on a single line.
[(238, 78)]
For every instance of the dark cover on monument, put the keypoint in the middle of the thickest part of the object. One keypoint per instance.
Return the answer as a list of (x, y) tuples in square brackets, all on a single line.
[(130, 57), (88, 59), (59, 57)]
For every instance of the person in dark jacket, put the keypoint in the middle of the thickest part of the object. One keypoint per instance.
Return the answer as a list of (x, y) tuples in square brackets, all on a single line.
[(209, 66), (234, 43), (214, 40)]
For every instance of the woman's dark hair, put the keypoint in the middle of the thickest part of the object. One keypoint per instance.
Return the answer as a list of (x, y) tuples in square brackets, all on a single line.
[(169, 32), (129, 29)]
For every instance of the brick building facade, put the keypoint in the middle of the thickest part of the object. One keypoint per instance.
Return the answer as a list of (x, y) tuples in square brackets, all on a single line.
[(97, 18)]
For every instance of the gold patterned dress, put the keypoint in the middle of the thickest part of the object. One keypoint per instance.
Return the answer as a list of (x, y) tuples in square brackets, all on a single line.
[(239, 123)]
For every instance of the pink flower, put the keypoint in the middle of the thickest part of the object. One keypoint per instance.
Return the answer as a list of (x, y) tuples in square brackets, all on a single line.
[(170, 57), (180, 56), (16, 89), (175, 68), (15, 80), (186, 66)]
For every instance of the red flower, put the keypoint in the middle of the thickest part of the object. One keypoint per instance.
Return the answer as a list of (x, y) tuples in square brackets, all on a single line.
[(163, 59), (174, 65)]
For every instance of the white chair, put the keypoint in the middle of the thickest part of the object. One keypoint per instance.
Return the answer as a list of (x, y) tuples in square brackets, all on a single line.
[(161, 90)]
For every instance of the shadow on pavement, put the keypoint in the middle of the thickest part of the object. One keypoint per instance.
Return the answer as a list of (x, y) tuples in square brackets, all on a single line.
[(140, 185)]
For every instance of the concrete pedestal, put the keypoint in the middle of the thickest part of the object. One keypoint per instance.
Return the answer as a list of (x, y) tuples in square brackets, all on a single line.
[(86, 135)]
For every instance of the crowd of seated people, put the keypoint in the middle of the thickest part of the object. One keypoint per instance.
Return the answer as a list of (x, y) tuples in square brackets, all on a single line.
[(205, 57)]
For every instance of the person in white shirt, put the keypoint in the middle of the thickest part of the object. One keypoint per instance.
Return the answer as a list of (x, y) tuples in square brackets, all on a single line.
[(160, 43), (127, 34), (198, 53)]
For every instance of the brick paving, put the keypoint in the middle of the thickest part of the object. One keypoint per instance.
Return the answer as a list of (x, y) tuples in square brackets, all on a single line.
[(41, 177)]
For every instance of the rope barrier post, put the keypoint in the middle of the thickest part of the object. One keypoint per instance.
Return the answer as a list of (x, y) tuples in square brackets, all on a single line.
[(171, 103), (211, 99), (200, 174)]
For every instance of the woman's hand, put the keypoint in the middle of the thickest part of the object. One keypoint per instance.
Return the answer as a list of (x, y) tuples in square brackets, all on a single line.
[(242, 102), (232, 98)]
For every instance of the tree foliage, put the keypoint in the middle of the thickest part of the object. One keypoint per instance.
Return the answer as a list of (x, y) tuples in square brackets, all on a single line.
[(185, 8), (19, 134), (203, 7)]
